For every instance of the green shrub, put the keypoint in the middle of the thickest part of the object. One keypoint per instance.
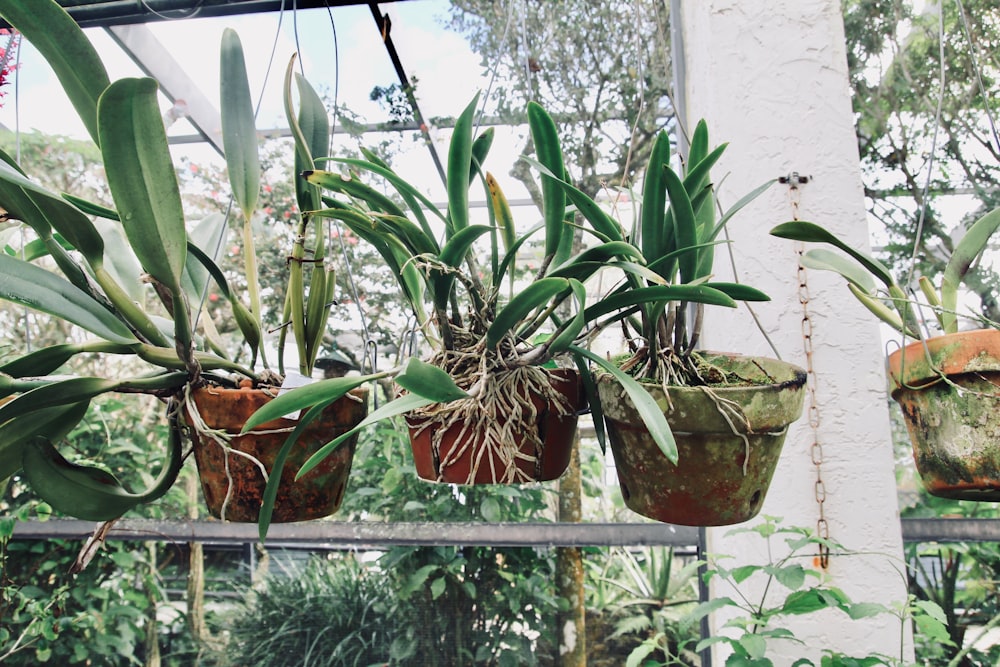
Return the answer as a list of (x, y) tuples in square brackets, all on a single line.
[(330, 613)]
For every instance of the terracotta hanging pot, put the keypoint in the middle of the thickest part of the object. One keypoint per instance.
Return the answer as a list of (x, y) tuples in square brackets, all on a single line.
[(728, 438), (527, 436), (950, 395), (232, 481)]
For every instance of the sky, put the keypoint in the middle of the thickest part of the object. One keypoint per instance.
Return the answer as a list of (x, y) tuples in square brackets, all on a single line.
[(426, 48)]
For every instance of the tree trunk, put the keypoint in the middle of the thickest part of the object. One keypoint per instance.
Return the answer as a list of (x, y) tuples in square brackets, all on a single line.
[(571, 631), (196, 573), (152, 630)]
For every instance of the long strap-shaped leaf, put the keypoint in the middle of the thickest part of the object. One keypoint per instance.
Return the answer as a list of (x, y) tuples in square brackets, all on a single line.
[(533, 297), (52, 423), (546, 140), (68, 51), (239, 131), (459, 168), (685, 225), (144, 186), (652, 216), (800, 230), (25, 200), (35, 287), (968, 249), (87, 492), (650, 412)]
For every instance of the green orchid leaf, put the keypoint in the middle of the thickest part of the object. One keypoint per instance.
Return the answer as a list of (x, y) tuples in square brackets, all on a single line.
[(47, 360), (509, 258), (604, 252), (87, 492), (971, 246), (881, 311), (353, 187), (738, 291), (480, 149), (68, 51), (92, 208), (652, 215), (645, 405), (42, 290), (808, 232), (685, 225), (122, 264), (604, 225), (142, 177), (738, 206), (658, 293), (934, 301), (459, 168), (696, 177), (57, 393), (270, 494), (458, 246), (25, 200), (567, 333), (453, 254), (410, 234), (204, 237), (322, 392), (512, 316), (239, 131), (394, 408), (827, 260), (416, 200), (546, 140), (593, 400), (698, 149), (429, 381), (51, 423)]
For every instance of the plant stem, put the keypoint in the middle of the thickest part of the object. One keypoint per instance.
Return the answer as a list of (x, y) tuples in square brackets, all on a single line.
[(132, 313), (253, 286)]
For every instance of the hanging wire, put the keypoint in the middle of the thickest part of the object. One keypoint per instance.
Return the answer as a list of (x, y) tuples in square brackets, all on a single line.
[(524, 49), (933, 150), (979, 74), (494, 70), (217, 253), (193, 13), (640, 92)]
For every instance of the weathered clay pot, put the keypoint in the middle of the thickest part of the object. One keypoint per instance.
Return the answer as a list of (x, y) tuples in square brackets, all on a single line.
[(461, 455), (950, 395), (724, 468), (319, 492)]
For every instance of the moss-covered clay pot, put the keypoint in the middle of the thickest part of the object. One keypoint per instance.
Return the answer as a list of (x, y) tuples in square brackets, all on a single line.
[(464, 453), (725, 462), (232, 481), (950, 396)]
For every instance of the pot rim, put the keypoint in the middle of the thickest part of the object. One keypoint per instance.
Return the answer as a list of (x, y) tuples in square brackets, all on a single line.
[(798, 379), (922, 363)]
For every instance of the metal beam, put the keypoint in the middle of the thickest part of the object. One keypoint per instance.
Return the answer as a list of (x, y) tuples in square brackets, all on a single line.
[(370, 534), (104, 13), (155, 60)]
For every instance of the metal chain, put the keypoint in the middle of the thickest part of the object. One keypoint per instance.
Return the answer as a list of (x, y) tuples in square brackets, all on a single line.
[(793, 182)]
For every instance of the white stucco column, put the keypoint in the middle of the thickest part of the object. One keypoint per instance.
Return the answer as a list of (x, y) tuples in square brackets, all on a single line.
[(770, 77)]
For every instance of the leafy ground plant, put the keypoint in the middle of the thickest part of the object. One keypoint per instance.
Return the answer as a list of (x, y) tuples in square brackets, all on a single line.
[(788, 587), (329, 613)]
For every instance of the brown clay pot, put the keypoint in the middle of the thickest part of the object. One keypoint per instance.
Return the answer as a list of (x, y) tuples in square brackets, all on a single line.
[(949, 395), (723, 469), (454, 459), (319, 492)]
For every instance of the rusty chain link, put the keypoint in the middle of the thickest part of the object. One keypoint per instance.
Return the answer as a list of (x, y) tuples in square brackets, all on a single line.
[(793, 182)]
